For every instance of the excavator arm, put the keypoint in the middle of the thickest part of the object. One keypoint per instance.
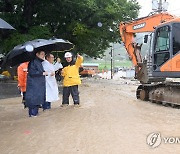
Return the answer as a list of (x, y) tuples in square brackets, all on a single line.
[(140, 25)]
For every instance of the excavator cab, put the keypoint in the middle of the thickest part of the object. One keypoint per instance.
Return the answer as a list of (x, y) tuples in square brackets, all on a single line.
[(166, 51)]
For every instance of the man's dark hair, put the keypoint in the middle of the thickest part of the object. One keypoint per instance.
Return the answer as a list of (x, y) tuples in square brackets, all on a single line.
[(48, 55), (40, 52)]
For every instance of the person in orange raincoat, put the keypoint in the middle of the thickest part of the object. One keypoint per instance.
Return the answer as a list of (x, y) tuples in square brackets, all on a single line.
[(22, 71)]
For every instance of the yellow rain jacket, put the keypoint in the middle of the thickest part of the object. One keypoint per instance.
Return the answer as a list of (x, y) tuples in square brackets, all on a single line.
[(71, 73)]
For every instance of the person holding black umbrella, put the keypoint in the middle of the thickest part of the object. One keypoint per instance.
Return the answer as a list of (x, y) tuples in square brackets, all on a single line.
[(36, 85)]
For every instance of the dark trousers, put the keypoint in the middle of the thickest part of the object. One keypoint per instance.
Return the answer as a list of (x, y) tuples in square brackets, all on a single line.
[(73, 90), (33, 110), (46, 105), (23, 99)]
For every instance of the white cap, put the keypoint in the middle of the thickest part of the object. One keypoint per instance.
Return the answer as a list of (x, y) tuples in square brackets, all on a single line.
[(67, 55)]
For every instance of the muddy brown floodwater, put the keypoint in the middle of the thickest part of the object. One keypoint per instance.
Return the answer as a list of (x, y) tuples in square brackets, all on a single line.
[(110, 121)]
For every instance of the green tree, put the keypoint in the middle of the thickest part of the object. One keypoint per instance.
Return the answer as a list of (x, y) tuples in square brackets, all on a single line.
[(74, 20)]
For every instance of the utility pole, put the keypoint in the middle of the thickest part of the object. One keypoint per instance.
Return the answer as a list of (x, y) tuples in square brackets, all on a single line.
[(105, 62), (111, 62), (160, 8)]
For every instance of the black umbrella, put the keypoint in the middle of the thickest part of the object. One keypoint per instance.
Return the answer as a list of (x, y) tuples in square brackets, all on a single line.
[(5, 25), (26, 52)]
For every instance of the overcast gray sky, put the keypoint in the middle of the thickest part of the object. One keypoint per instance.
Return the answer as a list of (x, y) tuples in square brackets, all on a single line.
[(174, 7)]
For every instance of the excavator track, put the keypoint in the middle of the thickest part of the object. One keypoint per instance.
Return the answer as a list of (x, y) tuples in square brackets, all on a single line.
[(166, 94)]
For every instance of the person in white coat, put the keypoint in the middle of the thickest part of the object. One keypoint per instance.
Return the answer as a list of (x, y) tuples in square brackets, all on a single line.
[(51, 83)]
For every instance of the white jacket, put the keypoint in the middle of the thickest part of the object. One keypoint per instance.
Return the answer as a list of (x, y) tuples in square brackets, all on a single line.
[(51, 83)]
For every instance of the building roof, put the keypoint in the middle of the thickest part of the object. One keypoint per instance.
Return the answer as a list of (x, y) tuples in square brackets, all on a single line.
[(90, 64)]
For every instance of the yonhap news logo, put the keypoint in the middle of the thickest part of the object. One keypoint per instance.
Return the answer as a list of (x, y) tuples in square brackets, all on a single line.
[(155, 139)]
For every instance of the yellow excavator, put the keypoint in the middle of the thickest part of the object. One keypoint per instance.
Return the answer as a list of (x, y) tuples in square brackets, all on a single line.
[(162, 60)]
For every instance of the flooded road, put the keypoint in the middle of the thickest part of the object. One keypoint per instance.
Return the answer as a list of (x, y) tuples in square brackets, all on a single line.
[(110, 121)]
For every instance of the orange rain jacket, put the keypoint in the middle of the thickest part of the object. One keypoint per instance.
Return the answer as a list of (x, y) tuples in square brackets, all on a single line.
[(22, 76)]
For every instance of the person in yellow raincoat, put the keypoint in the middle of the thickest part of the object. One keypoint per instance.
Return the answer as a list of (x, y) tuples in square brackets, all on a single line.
[(71, 79)]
